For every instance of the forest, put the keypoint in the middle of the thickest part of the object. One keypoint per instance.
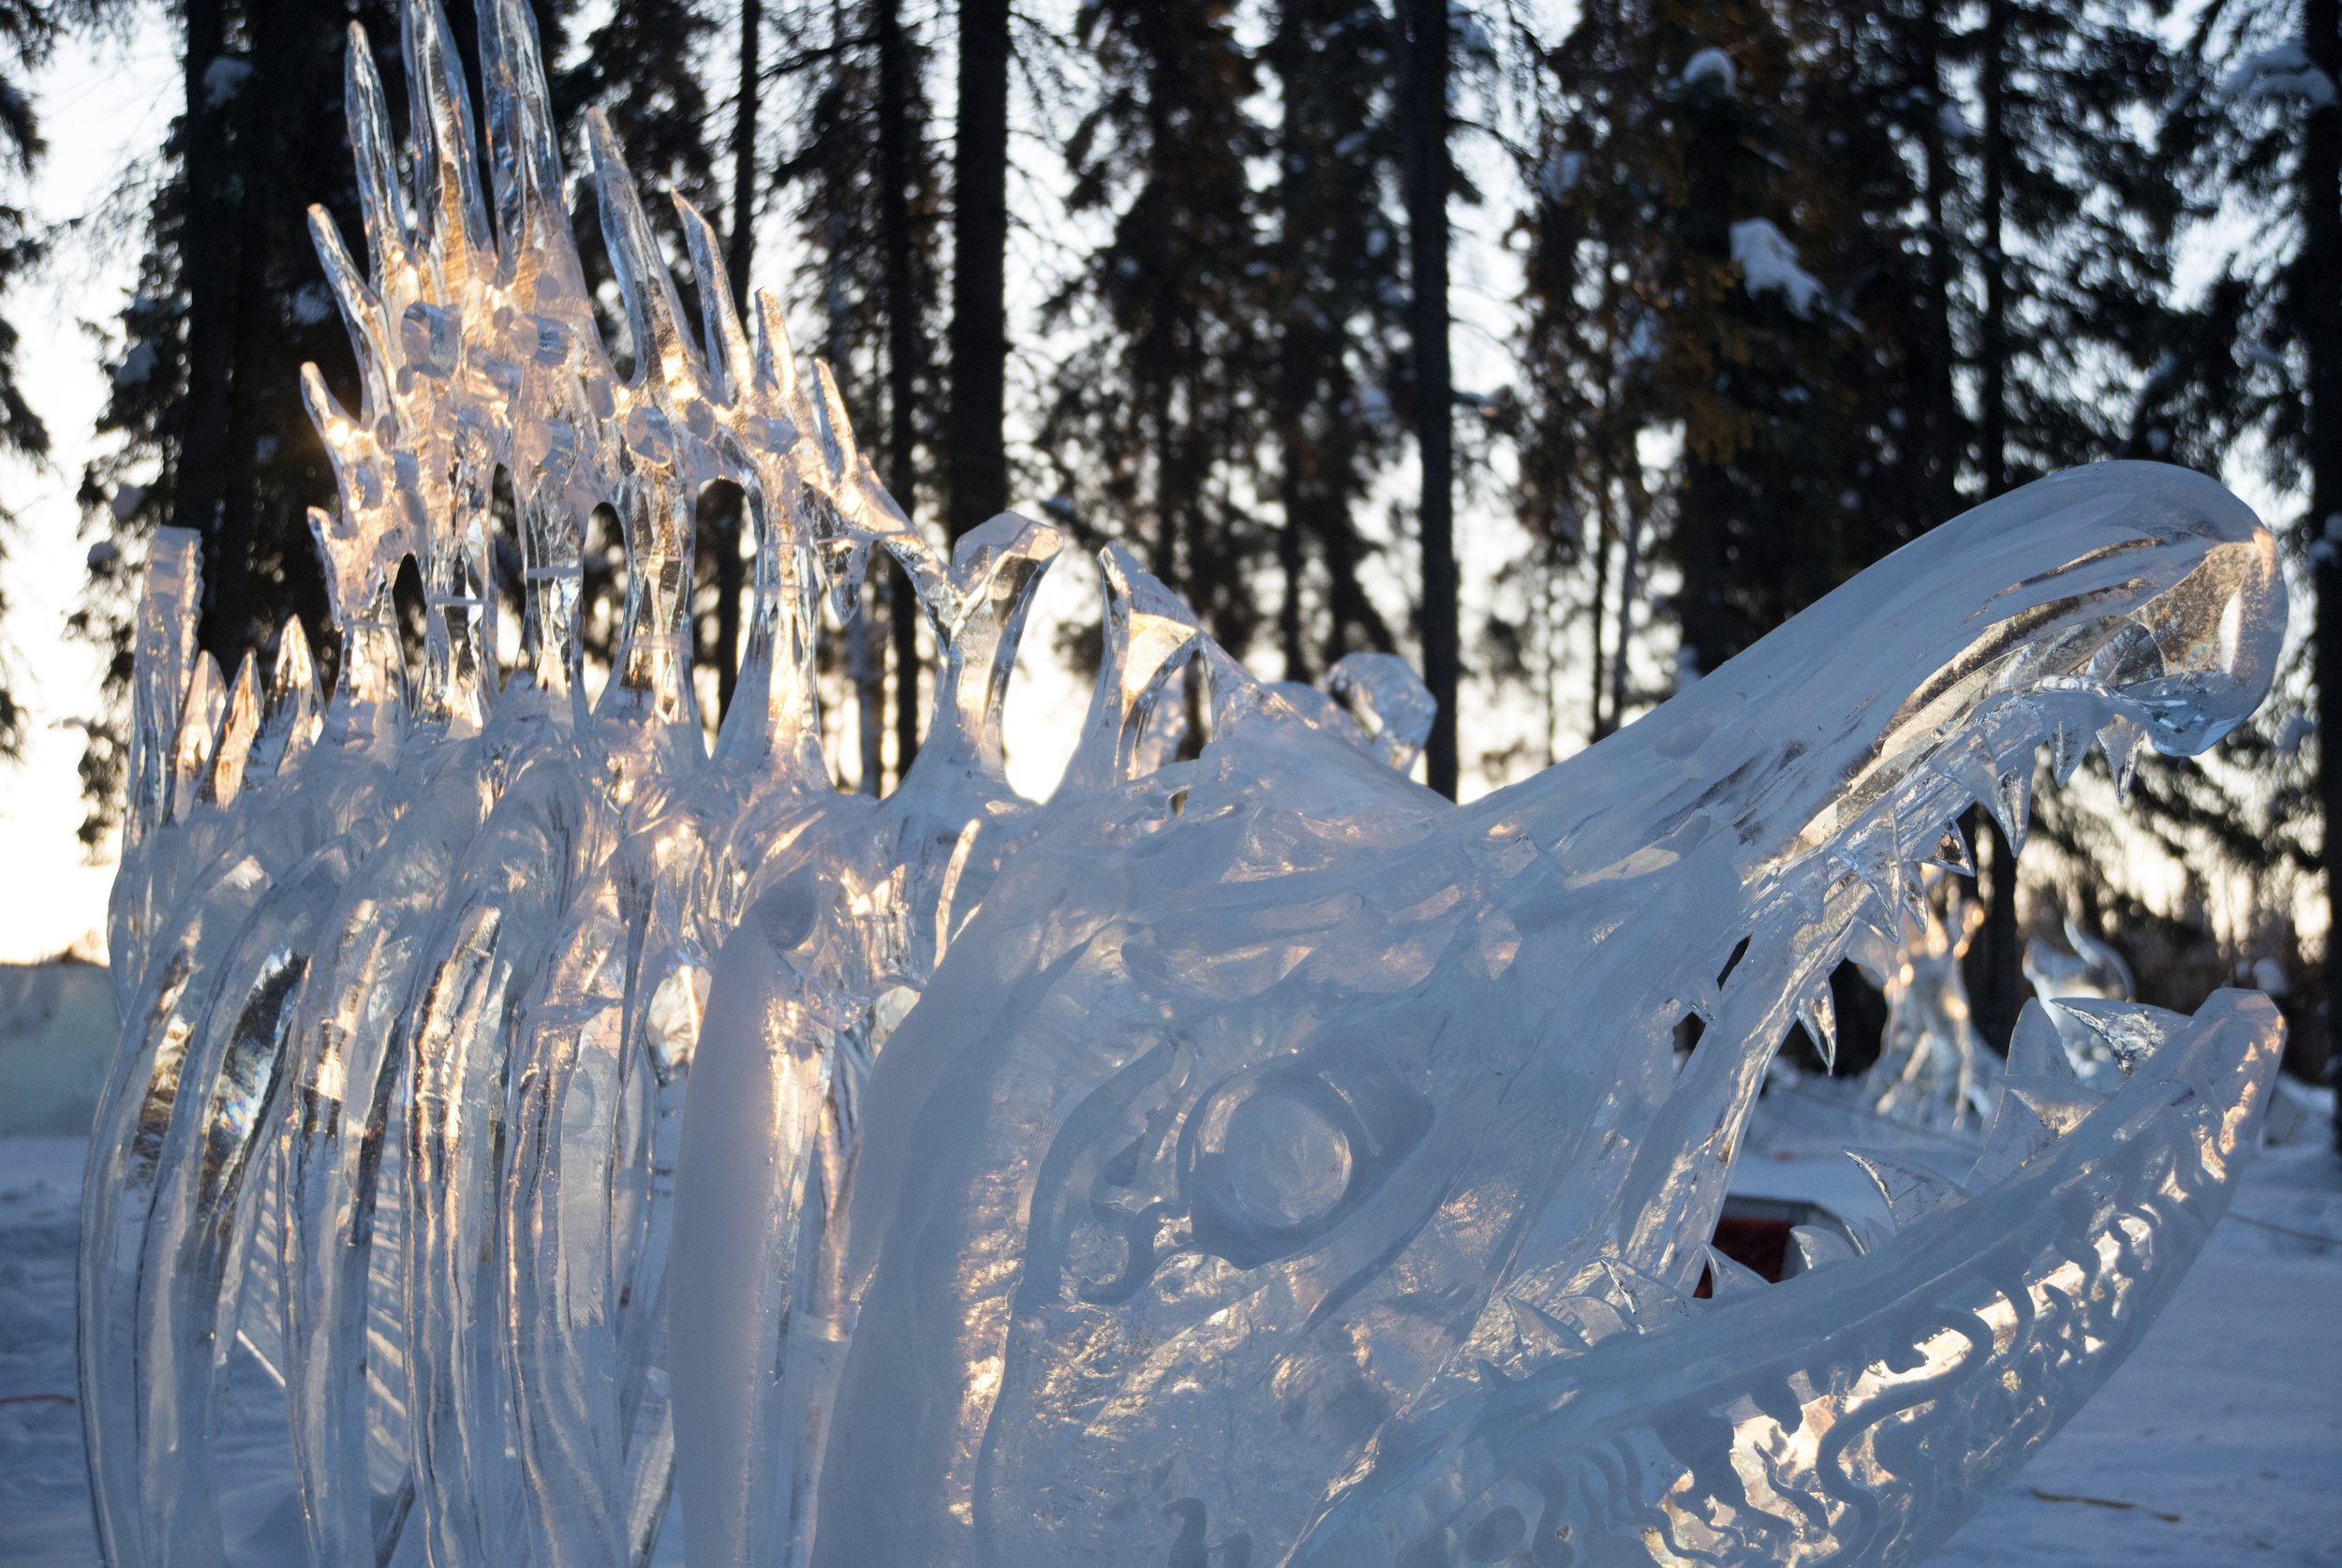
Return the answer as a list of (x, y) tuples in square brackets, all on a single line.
[(1564, 350)]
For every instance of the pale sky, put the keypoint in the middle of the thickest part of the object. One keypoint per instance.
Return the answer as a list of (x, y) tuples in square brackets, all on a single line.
[(97, 106)]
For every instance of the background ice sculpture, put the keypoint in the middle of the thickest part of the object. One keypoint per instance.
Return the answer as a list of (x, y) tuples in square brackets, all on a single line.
[(1251, 1159), (1934, 1069), (2093, 968)]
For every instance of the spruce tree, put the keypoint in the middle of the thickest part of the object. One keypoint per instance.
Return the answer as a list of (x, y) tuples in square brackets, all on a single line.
[(204, 399), (2257, 127), (1148, 418), (28, 32), (1426, 163), (729, 514), (869, 188), (2071, 252), (1587, 335), (977, 481), (1334, 302)]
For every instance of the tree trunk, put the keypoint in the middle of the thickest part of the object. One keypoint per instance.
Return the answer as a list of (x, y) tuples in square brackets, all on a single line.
[(903, 356), (2317, 303), (1940, 459), (1595, 725), (208, 257), (1994, 979), (739, 253), (1289, 553), (1289, 58), (1992, 434), (978, 475), (1160, 356), (1423, 93)]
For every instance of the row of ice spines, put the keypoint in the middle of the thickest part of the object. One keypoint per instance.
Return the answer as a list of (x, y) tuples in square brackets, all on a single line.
[(477, 348), (476, 341), (196, 737)]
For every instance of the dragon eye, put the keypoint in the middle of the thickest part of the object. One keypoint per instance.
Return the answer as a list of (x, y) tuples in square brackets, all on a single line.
[(1285, 1162), (1272, 1158)]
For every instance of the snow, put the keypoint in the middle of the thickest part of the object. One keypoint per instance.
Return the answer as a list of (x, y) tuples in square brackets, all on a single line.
[(1769, 263), (2283, 72), (137, 367), (2215, 1444), (1710, 66), (222, 78), (1560, 176), (56, 1030), (312, 303)]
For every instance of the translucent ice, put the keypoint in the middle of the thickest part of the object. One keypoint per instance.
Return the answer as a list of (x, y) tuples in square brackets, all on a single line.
[(1244, 1159), (1934, 1069)]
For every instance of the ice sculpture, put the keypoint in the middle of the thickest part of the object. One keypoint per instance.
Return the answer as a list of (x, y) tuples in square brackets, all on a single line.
[(1248, 1159), (1934, 1069)]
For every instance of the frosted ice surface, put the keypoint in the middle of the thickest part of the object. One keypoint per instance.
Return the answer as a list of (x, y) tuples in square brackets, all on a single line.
[(1242, 1157)]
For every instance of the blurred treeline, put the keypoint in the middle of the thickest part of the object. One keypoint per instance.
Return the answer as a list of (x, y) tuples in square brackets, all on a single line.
[(1687, 309)]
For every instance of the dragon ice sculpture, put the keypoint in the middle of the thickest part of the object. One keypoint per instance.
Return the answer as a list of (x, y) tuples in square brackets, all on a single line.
[(1245, 1160)]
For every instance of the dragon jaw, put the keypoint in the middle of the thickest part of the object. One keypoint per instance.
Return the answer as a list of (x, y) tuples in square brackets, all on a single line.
[(1270, 1105)]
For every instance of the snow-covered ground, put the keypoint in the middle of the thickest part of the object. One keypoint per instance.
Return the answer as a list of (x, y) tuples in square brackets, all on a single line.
[(2219, 1444)]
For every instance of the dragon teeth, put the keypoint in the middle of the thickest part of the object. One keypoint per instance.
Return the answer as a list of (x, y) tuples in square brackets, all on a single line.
[(2038, 1049), (2123, 738), (1911, 1194), (2067, 747), (2060, 1103), (2002, 786), (1817, 1014), (1951, 853), (1729, 1278), (1816, 1246), (2011, 804), (2129, 1032)]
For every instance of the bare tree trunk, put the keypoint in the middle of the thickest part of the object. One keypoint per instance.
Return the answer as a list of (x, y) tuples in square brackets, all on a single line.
[(1288, 56), (1941, 458), (739, 253), (1289, 558), (2317, 301), (1595, 727), (904, 354), (208, 254), (978, 476), (1424, 96), (1160, 356), (1629, 585), (1992, 977)]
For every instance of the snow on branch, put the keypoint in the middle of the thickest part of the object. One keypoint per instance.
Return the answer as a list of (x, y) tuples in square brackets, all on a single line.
[(1768, 262)]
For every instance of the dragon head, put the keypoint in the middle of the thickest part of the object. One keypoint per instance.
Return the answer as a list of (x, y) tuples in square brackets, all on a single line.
[(1273, 1123)]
